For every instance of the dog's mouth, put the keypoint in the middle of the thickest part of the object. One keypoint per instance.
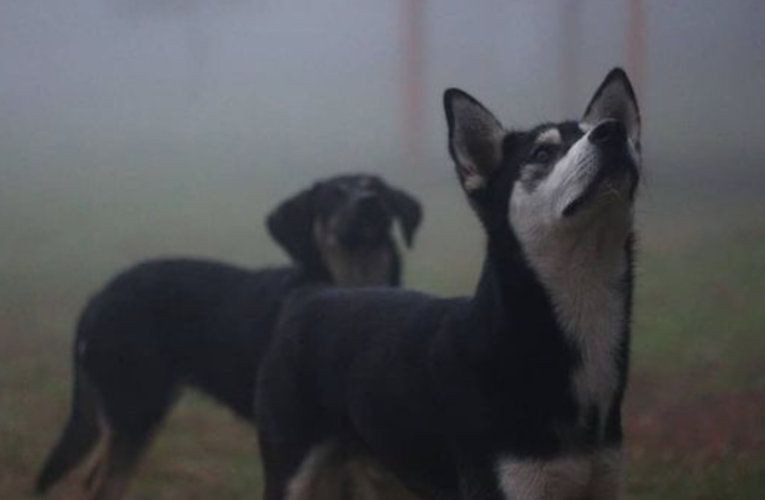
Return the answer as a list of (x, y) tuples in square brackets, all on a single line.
[(364, 233), (614, 181)]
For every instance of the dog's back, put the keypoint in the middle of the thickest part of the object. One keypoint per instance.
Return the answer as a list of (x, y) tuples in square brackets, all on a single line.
[(155, 327), (201, 322)]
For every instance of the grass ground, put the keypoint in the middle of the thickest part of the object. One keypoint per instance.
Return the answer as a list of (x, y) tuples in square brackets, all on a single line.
[(695, 408)]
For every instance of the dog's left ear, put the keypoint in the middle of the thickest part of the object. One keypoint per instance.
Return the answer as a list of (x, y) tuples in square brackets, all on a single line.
[(291, 225), (615, 100), (406, 209), (475, 139)]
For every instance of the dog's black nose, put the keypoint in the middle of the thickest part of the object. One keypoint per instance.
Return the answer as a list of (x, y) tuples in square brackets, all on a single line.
[(608, 131), (368, 203), (366, 199)]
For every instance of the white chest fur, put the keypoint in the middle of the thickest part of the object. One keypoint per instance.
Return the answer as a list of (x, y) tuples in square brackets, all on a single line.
[(583, 272), (591, 310), (594, 476)]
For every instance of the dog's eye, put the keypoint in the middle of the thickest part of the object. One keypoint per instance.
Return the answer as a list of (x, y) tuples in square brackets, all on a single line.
[(543, 153)]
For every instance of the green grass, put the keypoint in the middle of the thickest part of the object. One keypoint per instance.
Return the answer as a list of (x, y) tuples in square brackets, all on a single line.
[(740, 478), (702, 305)]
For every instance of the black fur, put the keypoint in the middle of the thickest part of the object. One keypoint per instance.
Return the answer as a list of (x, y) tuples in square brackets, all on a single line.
[(165, 324), (435, 389)]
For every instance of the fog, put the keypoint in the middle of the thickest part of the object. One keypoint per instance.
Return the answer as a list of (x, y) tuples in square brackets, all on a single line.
[(281, 84), (192, 114)]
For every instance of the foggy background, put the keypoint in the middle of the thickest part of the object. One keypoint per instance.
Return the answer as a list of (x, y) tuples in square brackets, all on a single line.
[(131, 129), (126, 116)]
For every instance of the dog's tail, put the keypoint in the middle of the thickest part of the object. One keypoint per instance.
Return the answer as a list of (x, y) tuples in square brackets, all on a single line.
[(81, 433)]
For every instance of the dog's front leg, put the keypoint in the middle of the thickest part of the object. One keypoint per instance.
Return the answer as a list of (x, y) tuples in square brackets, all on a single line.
[(560, 478), (607, 481), (589, 476), (478, 480)]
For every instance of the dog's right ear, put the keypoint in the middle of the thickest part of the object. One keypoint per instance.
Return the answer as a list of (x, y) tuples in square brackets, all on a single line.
[(475, 139), (291, 225)]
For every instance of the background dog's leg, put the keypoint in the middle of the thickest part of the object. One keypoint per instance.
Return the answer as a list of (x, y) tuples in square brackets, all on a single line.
[(116, 466), (371, 481), (478, 478), (330, 473), (134, 405), (333, 473), (96, 467), (365, 482), (279, 468), (94, 472), (318, 473)]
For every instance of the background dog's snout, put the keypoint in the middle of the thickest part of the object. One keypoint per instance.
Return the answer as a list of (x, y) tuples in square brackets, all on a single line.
[(608, 131), (368, 203)]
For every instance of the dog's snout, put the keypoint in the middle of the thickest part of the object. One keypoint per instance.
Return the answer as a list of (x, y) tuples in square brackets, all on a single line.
[(367, 202), (365, 198), (608, 131)]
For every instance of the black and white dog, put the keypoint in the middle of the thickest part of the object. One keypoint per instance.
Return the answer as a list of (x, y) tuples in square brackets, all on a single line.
[(170, 323), (513, 393)]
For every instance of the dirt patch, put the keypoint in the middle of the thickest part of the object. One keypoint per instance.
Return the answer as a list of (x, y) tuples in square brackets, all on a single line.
[(683, 418)]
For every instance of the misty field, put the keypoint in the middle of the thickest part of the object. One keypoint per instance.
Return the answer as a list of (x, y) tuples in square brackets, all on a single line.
[(696, 404)]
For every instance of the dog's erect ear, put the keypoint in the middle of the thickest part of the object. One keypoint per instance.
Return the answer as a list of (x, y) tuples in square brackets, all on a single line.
[(475, 139), (291, 225), (406, 209), (615, 100)]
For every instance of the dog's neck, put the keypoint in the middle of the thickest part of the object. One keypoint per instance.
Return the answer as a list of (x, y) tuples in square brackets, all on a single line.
[(582, 274), (582, 269)]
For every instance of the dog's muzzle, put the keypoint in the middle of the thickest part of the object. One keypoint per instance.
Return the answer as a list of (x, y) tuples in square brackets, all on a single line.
[(616, 163), (366, 223)]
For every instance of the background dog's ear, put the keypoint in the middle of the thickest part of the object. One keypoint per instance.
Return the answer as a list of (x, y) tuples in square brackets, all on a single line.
[(406, 209), (615, 100), (475, 139), (291, 225)]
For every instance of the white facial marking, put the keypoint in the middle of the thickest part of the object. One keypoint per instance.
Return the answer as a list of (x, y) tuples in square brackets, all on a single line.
[(550, 136), (594, 476), (472, 180), (568, 179), (580, 262)]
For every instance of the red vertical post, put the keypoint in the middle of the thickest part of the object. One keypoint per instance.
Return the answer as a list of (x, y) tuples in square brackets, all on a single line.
[(411, 90), (569, 56)]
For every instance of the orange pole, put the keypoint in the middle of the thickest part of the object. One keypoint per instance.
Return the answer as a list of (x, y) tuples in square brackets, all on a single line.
[(635, 42), (413, 11), (569, 60)]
